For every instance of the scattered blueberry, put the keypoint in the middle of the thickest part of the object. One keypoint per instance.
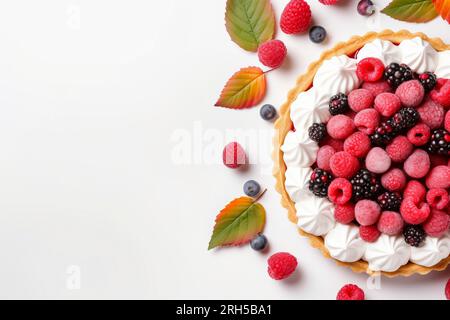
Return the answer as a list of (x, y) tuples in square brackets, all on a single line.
[(366, 8), (252, 188), (259, 242), (317, 34), (268, 112)]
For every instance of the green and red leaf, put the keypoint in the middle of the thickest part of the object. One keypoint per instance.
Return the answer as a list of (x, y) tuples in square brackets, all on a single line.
[(411, 10), (443, 8)]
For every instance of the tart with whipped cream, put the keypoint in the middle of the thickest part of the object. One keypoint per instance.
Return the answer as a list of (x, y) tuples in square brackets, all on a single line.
[(380, 237)]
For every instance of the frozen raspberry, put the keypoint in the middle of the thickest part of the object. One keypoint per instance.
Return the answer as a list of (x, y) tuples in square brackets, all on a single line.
[(234, 155), (350, 292), (411, 93), (367, 120), (439, 177), (328, 2), (418, 164), (387, 104), (399, 149), (296, 17), (323, 157), (390, 223), (431, 114), (338, 145), (447, 290), (344, 213), (441, 93), (447, 121), (437, 198), (370, 69), (437, 224), (393, 180), (367, 212), (378, 161), (272, 53), (369, 233), (414, 211), (340, 126), (340, 191), (415, 190), (343, 165), (377, 87), (419, 134), (281, 265), (360, 99), (358, 144)]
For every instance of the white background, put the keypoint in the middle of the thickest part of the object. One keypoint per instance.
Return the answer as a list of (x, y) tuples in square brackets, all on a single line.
[(95, 96)]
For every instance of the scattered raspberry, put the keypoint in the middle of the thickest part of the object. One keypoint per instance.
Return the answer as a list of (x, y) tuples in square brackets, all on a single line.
[(414, 211), (350, 292), (419, 134), (338, 145), (296, 17), (340, 191), (377, 87), (431, 114), (360, 99), (437, 198), (369, 233), (437, 224), (390, 223), (378, 161), (411, 93), (272, 53), (344, 213), (343, 165), (393, 180), (370, 69), (447, 290), (323, 157), (441, 93), (340, 126), (447, 121), (418, 164), (399, 149), (415, 190), (358, 144), (281, 265), (439, 177), (233, 155), (367, 120), (387, 104), (367, 212), (328, 2)]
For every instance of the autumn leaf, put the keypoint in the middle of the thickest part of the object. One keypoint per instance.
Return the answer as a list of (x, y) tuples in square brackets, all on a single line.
[(411, 10), (443, 8)]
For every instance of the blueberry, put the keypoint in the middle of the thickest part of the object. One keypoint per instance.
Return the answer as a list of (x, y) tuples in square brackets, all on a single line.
[(366, 8), (317, 34), (259, 242), (252, 188), (268, 112)]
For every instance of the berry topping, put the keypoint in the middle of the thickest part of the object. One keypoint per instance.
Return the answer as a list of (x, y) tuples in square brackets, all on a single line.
[(259, 243), (437, 224), (390, 201), (418, 164), (413, 211), (317, 34), (431, 114), (252, 188), (390, 223), (272, 53), (319, 182), (360, 99), (437, 198), (317, 132), (370, 69), (393, 180), (369, 233), (441, 93), (440, 142), (439, 177), (343, 164), (358, 144), (268, 112), (233, 155), (367, 120), (328, 2), (387, 104), (414, 235), (344, 213), (395, 74), (338, 104), (340, 191), (447, 121), (366, 8), (365, 185), (338, 145), (377, 87), (415, 190), (367, 212), (323, 157), (399, 149), (296, 17), (411, 93), (419, 135), (378, 161), (340, 126), (428, 80), (281, 265)]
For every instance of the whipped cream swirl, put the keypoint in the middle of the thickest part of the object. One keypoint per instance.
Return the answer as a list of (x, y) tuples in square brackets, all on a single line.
[(443, 66), (299, 151), (315, 215), (297, 181), (419, 55), (432, 251), (388, 253), (344, 243), (384, 50)]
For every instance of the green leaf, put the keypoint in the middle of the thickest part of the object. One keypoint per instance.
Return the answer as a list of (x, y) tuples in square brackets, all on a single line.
[(411, 10), (250, 22)]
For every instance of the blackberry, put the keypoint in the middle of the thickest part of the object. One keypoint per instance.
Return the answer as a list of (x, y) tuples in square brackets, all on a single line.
[(395, 74), (317, 131), (390, 201), (319, 182), (440, 142), (366, 185), (414, 235), (403, 120), (338, 104), (428, 80)]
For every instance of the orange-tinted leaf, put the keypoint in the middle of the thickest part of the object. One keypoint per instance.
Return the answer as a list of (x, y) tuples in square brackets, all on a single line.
[(443, 8), (411, 10)]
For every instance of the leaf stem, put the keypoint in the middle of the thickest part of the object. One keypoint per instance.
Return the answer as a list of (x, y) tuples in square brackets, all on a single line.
[(260, 196)]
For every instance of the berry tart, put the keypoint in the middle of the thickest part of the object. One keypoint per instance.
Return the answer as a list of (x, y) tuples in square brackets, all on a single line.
[(362, 154)]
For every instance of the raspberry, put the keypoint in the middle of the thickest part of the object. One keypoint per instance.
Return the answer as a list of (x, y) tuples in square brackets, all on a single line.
[(328, 2), (343, 164), (367, 212), (415, 190), (441, 93), (437, 198), (344, 213), (418, 164), (338, 145), (370, 69), (296, 17), (369, 233), (393, 180), (447, 290), (358, 144), (281, 265), (378, 161), (360, 99), (419, 134), (233, 155), (323, 157), (367, 120), (438, 160), (390, 223), (411, 93), (437, 224), (350, 292), (272, 53), (414, 211), (340, 126), (447, 121), (377, 87), (439, 177), (431, 114), (340, 191), (387, 104), (399, 149)]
